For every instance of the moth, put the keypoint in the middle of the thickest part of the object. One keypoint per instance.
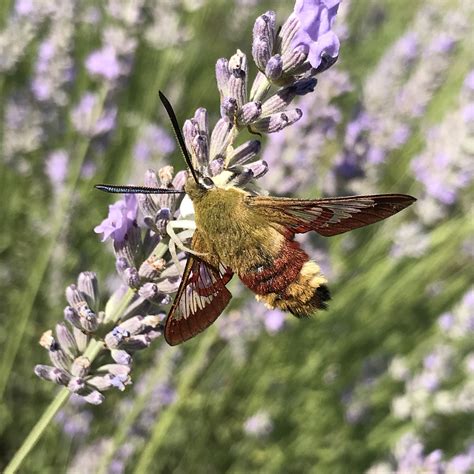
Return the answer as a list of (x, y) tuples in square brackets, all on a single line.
[(253, 237)]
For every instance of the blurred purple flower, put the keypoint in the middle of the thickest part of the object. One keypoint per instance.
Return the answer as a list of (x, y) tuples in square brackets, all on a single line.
[(469, 81), (33, 8), (274, 321), (75, 425), (83, 116), (258, 425), (400, 136), (121, 218), (88, 170), (446, 321), (56, 167), (462, 463), (376, 155), (42, 88), (468, 113), (104, 62), (408, 46), (316, 18), (163, 394), (430, 171), (443, 44), (153, 140), (468, 300), (24, 7)]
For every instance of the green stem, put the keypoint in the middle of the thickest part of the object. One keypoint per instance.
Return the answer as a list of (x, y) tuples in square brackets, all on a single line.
[(43, 256), (163, 367), (37, 431), (91, 352), (189, 376)]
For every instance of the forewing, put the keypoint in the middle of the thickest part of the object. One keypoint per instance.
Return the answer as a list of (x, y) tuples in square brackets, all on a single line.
[(201, 297), (331, 216)]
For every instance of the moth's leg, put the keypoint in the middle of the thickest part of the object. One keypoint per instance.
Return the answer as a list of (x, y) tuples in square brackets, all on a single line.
[(174, 255), (172, 247), (182, 224)]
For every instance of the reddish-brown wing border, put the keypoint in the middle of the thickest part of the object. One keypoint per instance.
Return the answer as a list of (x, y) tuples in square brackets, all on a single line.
[(330, 216), (201, 298)]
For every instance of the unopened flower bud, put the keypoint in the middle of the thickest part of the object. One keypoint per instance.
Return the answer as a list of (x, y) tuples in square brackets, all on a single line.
[(121, 357), (238, 78), (59, 358), (263, 38), (133, 325), (216, 166), (294, 59), (222, 76), (151, 179), (66, 340), (132, 277), (80, 367), (115, 338), (136, 343), (165, 175), (244, 153), (228, 107), (259, 168), (52, 374), (94, 398), (249, 113), (277, 122), (87, 284), (151, 292), (77, 385), (221, 138), (274, 68)]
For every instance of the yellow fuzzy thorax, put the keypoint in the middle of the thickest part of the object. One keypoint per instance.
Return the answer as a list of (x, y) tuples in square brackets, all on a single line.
[(238, 235)]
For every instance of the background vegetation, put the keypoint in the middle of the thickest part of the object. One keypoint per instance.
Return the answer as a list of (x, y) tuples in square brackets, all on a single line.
[(384, 379)]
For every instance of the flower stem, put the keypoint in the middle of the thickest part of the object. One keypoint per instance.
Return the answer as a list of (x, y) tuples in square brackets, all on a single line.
[(37, 431), (141, 400), (92, 351), (189, 376), (43, 256)]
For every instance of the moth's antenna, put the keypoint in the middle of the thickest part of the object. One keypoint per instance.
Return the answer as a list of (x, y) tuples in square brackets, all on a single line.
[(178, 134), (110, 188)]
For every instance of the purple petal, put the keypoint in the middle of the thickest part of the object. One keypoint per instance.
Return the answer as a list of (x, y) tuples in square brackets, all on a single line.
[(104, 62), (316, 18), (121, 218)]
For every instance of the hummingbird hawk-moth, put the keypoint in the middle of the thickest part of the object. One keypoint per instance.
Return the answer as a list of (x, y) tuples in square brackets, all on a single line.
[(254, 237)]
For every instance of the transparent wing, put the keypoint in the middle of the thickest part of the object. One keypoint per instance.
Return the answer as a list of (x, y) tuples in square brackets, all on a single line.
[(331, 216), (201, 297)]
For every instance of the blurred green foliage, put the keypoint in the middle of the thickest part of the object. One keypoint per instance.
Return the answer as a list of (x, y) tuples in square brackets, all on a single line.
[(380, 305)]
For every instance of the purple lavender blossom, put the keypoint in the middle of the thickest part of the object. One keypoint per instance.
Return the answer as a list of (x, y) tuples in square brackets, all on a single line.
[(84, 120), (88, 170), (316, 18), (56, 167), (446, 321), (41, 88), (462, 463), (104, 63), (468, 113), (258, 425), (274, 321), (469, 81), (122, 217), (153, 140)]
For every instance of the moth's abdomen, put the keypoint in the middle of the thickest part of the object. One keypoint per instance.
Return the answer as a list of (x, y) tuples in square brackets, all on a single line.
[(291, 282)]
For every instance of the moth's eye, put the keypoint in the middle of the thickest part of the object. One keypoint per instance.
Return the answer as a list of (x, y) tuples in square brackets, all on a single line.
[(207, 182)]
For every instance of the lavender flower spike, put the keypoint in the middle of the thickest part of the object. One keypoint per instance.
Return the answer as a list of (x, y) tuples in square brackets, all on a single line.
[(121, 218), (314, 33)]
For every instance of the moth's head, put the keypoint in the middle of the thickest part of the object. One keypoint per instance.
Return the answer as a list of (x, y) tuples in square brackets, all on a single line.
[(197, 189)]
